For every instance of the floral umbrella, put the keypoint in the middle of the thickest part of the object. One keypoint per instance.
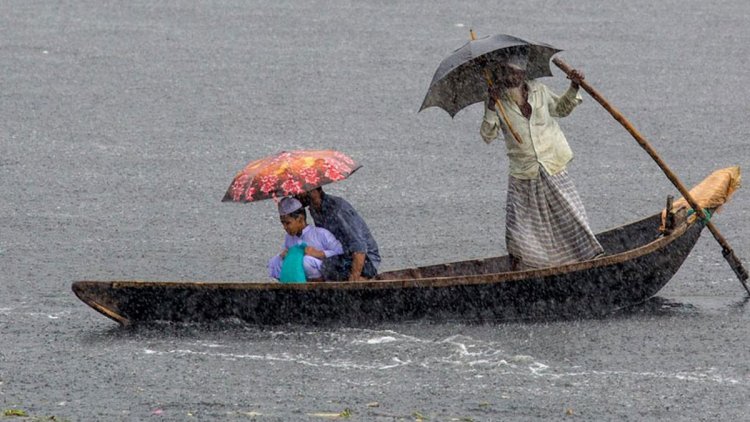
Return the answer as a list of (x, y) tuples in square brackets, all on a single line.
[(289, 173)]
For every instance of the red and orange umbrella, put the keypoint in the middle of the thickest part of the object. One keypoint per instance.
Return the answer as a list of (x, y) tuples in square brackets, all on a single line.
[(289, 173)]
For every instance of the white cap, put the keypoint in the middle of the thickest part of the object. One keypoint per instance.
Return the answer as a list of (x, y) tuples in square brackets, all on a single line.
[(289, 205)]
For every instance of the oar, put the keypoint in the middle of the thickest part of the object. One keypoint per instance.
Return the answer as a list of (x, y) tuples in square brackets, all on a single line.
[(727, 251)]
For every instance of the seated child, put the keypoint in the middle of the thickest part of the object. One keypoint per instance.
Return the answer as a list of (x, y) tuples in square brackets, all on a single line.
[(321, 244)]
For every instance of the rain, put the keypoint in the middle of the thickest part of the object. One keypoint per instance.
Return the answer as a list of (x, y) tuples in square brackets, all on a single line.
[(124, 123)]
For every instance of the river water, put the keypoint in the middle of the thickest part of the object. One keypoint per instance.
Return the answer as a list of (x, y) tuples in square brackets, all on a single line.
[(124, 122)]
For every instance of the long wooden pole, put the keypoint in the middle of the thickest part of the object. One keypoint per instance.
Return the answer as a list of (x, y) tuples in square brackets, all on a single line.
[(727, 251)]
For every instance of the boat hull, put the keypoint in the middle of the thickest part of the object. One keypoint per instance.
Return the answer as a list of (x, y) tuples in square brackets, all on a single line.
[(638, 265)]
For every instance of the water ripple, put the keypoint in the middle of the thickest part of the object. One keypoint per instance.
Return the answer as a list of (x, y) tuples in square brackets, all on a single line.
[(386, 350)]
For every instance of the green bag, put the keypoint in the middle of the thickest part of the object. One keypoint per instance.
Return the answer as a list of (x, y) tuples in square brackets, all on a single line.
[(292, 270)]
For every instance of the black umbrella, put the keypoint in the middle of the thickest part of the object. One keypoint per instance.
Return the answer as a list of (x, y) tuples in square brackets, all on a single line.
[(460, 80)]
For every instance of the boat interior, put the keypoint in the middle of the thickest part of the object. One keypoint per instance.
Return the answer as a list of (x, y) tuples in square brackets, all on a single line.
[(615, 241)]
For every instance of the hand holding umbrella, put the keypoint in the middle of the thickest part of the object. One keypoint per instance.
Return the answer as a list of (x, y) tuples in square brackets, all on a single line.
[(495, 94)]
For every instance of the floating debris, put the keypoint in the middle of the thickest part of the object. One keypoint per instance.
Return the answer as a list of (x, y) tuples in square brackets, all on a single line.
[(251, 414), (346, 413), (15, 412)]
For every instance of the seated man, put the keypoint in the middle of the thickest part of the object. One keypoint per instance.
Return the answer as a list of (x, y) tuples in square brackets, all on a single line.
[(321, 244), (361, 258)]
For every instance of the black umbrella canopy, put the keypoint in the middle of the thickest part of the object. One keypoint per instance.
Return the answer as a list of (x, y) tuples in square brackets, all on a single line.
[(460, 81)]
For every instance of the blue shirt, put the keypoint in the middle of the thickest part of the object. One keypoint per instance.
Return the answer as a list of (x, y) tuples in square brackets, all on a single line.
[(339, 217)]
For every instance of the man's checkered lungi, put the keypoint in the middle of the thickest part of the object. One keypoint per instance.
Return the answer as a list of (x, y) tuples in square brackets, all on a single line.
[(546, 224)]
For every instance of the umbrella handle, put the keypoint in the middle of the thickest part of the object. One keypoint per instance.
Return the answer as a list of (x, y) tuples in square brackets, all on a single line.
[(513, 132), (501, 109), (498, 104)]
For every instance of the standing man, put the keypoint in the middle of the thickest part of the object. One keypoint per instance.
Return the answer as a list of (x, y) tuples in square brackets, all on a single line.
[(546, 223), (361, 258)]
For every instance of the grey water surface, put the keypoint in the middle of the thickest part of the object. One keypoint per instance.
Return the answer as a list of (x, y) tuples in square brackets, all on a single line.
[(122, 124)]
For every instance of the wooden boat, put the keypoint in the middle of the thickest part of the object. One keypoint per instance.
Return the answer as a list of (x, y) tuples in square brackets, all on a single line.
[(639, 261)]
